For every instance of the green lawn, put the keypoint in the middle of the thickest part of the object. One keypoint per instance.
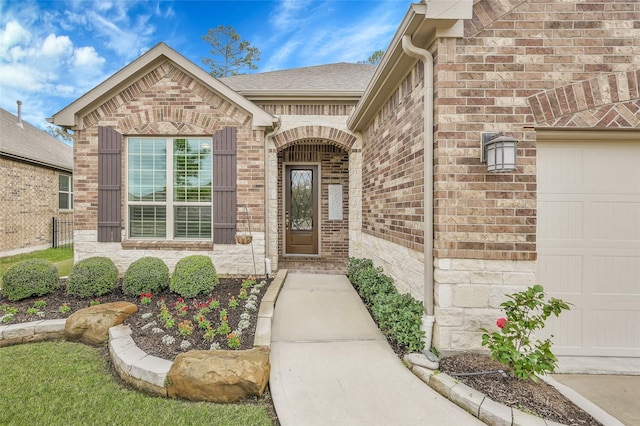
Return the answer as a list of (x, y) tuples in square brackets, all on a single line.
[(64, 383), (62, 258)]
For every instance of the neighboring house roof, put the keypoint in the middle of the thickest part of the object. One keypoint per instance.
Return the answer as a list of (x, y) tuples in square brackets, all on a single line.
[(21, 140), (332, 80), (71, 116)]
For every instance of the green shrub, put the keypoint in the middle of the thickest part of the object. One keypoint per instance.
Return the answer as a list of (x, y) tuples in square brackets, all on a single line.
[(373, 282), (398, 315), (356, 266), (34, 277), (92, 277), (194, 275), (146, 275)]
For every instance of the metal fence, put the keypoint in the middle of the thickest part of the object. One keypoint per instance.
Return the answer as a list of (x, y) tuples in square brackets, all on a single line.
[(62, 233)]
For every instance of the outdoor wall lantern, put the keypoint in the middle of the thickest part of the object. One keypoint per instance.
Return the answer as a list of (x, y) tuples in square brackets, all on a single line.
[(499, 152)]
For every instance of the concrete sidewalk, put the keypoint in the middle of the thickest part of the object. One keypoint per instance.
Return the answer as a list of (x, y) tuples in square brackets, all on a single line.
[(330, 365)]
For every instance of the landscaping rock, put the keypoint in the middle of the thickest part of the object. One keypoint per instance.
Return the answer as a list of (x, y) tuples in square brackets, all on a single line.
[(91, 325), (420, 360), (219, 376)]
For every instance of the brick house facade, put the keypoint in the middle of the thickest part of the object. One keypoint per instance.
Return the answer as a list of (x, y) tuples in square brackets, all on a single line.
[(32, 164), (518, 67), (557, 76)]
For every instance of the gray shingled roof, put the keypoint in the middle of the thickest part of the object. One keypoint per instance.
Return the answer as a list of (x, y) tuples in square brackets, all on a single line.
[(31, 144), (340, 77)]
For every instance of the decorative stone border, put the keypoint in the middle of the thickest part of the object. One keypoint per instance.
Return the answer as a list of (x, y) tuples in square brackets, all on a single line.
[(477, 403), (134, 366)]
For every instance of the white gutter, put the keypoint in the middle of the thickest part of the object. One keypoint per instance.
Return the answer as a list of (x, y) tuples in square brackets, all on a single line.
[(427, 59), (267, 138)]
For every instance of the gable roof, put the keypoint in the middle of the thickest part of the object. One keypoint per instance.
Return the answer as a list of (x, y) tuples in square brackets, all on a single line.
[(328, 81), (71, 116), (21, 140)]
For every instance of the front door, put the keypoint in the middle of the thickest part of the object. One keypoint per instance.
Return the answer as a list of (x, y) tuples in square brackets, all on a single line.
[(301, 209)]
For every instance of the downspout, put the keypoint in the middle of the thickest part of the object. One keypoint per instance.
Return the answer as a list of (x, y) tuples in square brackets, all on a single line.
[(427, 59), (267, 138)]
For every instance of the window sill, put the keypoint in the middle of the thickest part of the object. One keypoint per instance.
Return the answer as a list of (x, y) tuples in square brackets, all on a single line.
[(167, 245)]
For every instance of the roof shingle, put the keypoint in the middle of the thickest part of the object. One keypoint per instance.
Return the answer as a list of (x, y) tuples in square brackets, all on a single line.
[(29, 143), (340, 77)]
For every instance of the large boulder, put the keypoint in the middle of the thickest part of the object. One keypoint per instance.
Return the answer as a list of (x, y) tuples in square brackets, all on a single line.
[(219, 376), (91, 325)]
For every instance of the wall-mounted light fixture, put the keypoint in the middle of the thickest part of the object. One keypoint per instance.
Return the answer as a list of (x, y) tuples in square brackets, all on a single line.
[(499, 152)]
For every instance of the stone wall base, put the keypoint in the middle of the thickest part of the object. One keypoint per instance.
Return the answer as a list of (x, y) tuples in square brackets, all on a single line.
[(404, 265), (468, 294), (229, 259)]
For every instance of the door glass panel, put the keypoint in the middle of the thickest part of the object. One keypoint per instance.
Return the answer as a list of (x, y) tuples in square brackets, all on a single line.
[(301, 200)]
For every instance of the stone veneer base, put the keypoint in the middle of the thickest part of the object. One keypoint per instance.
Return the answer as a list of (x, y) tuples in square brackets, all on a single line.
[(144, 372)]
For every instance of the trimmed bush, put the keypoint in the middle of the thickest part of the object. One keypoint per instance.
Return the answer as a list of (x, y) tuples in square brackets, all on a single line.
[(92, 277), (146, 275), (34, 277), (194, 276), (356, 266), (398, 316)]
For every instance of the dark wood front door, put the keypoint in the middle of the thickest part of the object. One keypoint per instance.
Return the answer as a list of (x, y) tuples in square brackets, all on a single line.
[(301, 209)]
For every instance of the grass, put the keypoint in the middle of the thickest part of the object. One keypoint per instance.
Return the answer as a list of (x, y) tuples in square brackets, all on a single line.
[(61, 258), (64, 383)]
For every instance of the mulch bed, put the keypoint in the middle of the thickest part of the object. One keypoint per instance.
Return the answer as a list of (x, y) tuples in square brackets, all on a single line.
[(526, 395), (146, 339)]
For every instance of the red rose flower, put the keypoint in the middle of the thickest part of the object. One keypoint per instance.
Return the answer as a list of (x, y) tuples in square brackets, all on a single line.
[(501, 322)]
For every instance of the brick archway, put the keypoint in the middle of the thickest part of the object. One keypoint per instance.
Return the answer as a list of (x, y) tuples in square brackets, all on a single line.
[(325, 134), (611, 100)]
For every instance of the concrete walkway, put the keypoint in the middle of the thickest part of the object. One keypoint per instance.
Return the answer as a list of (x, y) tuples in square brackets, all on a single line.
[(330, 365)]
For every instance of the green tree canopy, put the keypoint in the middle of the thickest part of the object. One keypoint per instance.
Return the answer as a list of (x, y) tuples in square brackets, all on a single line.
[(230, 54), (374, 59)]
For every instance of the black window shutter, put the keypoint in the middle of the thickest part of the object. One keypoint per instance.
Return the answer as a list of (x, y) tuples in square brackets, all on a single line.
[(224, 186), (109, 184)]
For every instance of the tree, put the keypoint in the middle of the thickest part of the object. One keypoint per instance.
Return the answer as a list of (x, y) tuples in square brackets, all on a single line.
[(231, 55), (58, 133), (374, 59)]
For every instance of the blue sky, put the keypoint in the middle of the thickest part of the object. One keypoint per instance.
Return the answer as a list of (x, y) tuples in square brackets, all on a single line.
[(52, 52)]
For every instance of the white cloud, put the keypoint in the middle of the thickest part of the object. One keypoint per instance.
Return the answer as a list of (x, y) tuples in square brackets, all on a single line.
[(56, 46), (289, 13), (87, 57), (12, 35), (328, 31)]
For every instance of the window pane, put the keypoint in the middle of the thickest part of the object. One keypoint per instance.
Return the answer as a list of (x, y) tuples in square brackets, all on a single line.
[(192, 222), (192, 169), (301, 200), (63, 200), (147, 221), (147, 174), (63, 183)]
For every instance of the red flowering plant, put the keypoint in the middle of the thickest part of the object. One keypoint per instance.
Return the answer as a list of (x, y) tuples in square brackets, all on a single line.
[(515, 345), (145, 298), (181, 307)]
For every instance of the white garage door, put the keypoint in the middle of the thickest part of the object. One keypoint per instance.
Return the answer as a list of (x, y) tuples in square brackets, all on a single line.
[(589, 242)]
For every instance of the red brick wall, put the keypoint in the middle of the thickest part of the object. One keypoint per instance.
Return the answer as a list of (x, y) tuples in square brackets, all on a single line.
[(489, 80), (393, 170), (520, 64), (168, 102)]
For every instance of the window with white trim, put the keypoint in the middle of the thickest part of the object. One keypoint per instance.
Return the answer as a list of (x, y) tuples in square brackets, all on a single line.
[(169, 188), (65, 192)]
